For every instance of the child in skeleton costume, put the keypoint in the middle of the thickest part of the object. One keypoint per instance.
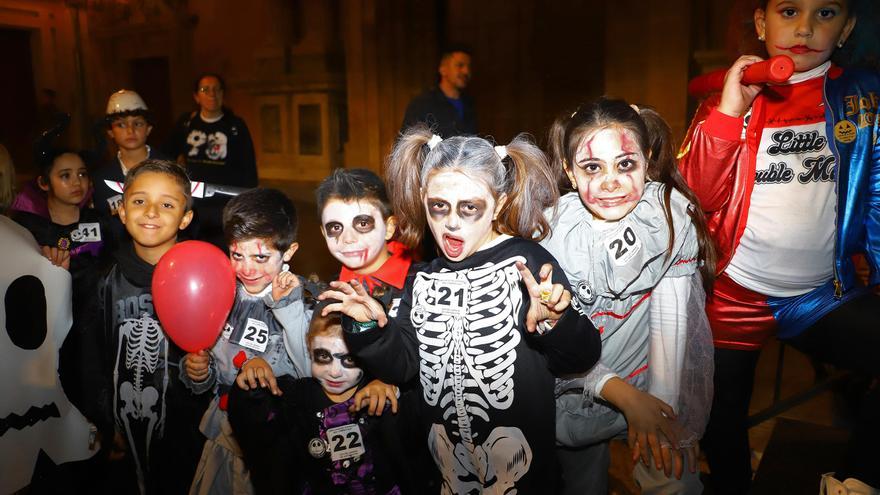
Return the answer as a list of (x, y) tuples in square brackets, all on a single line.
[(633, 252), (268, 314), (135, 366), (477, 328)]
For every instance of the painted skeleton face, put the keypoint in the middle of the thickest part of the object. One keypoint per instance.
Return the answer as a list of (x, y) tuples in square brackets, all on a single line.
[(333, 366), (256, 262), (35, 317), (460, 211), (609, 171), (356, 234)]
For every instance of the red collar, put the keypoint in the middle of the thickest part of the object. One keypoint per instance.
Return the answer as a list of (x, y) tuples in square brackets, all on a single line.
[(392, 272)]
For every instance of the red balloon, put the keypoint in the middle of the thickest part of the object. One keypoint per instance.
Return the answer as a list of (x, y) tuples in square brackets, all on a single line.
[(193, 291)]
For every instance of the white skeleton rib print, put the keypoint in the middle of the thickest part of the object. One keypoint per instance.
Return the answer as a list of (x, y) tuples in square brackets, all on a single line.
[(467, 327)]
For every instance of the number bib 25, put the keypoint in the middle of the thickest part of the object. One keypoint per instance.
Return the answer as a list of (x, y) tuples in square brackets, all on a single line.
[(255, 336)]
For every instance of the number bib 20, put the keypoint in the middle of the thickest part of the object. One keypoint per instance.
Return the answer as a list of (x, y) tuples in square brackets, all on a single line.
[(623, 246), (345, 442)]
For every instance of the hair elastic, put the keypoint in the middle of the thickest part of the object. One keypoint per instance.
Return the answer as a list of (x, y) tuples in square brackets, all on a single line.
[(501, 151), (434, 141)]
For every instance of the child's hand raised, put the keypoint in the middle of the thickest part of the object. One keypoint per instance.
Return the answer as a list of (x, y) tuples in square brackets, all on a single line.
[(353, 302), (283, 284), (548, 301), (197, 365), (375, 394), (736, 97), (256, 372)]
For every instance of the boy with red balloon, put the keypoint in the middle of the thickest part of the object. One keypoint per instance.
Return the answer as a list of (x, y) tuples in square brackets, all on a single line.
[(268, 314), (134, 396)]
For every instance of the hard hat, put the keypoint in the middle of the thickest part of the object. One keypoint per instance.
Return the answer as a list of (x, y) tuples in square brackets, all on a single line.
[(125, 100)]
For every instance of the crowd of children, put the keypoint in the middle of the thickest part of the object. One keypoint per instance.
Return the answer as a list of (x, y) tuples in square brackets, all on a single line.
[(606, 290)]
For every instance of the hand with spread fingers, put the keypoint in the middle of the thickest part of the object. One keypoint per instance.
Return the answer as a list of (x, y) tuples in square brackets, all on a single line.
[(255, 373), (375, 395), (548, 301), (353, 302)]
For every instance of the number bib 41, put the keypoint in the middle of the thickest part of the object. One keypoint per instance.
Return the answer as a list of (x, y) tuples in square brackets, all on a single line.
[(86, 232), (345, 442)]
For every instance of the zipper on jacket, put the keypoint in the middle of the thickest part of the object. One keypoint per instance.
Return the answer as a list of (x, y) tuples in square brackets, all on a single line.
[(838, 286)]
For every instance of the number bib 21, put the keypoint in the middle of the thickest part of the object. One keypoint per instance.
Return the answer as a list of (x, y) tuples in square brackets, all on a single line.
[(450, 297)]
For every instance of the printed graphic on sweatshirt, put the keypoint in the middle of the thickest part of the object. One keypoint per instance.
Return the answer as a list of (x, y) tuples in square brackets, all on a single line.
[(213, 145)]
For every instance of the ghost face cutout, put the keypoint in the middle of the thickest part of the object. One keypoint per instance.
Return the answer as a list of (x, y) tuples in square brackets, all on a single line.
[(35, 317)]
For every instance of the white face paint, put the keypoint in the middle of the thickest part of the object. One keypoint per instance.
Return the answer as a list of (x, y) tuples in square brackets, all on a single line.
[(609, 170), (460, 211), (256, 263), (356, 234), (333, 366)]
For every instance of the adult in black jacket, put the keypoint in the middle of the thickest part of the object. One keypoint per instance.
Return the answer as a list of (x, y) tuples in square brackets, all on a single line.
[(445, 108)]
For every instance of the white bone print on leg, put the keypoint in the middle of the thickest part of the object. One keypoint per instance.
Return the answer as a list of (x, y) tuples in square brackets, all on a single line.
[(497, 464)]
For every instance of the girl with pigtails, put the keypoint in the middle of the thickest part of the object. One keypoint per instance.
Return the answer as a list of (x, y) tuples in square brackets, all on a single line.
[(487, 325), (633, 244)]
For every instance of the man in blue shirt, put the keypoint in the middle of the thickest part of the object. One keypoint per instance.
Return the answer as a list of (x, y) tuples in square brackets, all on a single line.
[(445, 107)]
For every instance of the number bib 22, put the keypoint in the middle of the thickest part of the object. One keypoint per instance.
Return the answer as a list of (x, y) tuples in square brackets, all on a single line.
[(345, 442)]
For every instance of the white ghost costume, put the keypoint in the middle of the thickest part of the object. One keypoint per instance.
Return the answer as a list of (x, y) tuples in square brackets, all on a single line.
[(35, 318)]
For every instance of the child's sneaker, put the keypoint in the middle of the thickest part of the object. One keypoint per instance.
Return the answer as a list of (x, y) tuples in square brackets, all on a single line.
[(851, 486)]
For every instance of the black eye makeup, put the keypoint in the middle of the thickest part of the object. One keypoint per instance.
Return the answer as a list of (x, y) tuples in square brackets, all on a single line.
[(333, 229), (322, 356), (473, 209), (364, 223), (437, 208), (325, 357)]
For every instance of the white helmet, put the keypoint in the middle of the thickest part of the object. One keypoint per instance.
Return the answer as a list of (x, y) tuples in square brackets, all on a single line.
[(125, 100)]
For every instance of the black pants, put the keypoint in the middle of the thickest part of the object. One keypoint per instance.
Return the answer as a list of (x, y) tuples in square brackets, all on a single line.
[(848, 338)]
